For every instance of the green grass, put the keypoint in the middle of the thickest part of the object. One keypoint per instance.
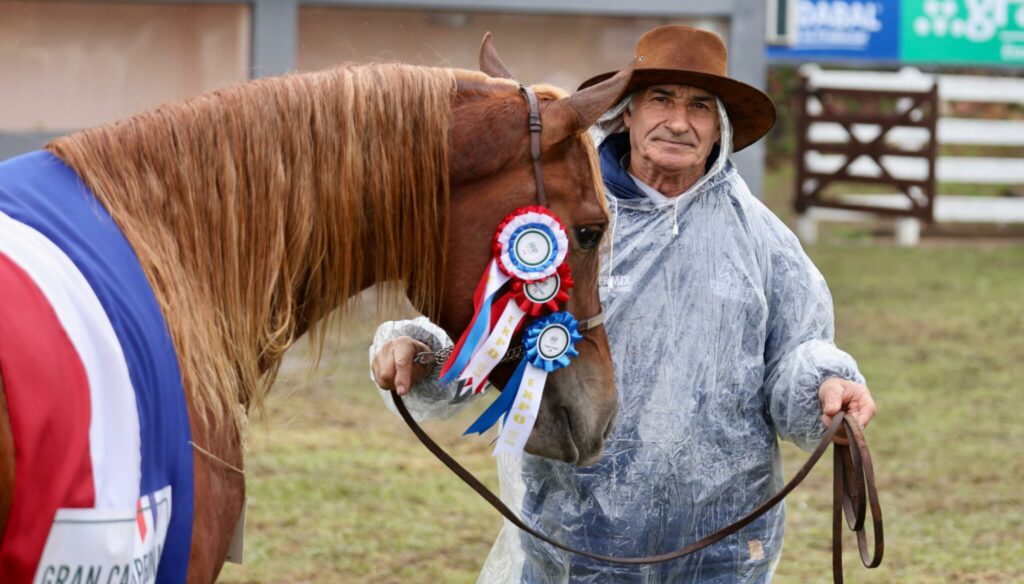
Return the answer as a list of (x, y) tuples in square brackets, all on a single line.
[(340, 491), (937, 332)]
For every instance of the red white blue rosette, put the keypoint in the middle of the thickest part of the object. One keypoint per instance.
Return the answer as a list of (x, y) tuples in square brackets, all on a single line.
[(527, 299), (531, 244), (550, 344)]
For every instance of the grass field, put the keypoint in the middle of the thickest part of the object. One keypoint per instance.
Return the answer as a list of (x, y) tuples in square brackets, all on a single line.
[(340, 491)]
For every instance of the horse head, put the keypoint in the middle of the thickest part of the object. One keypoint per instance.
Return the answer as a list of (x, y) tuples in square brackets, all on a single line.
[(491, 175)]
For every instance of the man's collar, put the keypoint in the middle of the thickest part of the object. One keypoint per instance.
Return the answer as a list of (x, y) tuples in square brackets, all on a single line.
[(650, 192), (614, 157)]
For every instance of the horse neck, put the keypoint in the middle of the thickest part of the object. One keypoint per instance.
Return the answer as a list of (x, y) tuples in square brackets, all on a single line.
[(257, 210)]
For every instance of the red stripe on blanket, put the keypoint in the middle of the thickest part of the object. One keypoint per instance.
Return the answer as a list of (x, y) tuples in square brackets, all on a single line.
[(48, 400)]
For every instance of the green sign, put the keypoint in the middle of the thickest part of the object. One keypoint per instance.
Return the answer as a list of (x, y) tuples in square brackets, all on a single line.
[(962, 31)]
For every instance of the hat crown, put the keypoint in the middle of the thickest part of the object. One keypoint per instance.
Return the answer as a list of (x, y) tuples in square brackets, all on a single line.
[(683, 49)]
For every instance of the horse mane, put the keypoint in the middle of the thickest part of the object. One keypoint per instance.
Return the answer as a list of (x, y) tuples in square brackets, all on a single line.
[(249, 209)]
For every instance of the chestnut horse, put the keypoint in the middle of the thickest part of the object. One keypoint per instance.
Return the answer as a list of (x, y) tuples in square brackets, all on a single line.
[(256, 211)]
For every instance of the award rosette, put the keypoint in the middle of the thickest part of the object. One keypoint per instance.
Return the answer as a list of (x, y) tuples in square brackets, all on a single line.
[(550, 344), (543, 296), (526, 299), (530, 247), (530, 244)]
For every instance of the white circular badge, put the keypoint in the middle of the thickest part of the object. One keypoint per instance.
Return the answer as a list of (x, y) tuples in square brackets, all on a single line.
[(553, 342), (533, 247), (530, 245), (543, 290)]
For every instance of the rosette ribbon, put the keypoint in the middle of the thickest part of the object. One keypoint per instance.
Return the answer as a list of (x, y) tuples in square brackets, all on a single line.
[(529, 249), (550, 344), (525, 299)]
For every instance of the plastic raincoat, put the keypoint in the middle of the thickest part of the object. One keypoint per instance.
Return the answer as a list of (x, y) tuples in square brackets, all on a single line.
[(721, 331)]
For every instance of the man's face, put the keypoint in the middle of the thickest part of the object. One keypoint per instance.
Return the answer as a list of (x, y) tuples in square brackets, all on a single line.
[(672, 129)]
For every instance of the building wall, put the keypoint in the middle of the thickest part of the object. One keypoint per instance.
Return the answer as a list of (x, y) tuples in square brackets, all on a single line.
[(81, 64), (563, 50), (72, 65), (67, 64)]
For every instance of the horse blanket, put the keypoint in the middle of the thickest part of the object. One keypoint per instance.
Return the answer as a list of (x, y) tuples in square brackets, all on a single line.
[(103, 467)]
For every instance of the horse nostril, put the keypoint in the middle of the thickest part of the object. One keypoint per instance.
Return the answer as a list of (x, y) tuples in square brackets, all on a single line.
[(611, 424)]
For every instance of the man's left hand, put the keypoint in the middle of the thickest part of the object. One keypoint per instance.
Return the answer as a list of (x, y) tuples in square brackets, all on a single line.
[(839, 394)]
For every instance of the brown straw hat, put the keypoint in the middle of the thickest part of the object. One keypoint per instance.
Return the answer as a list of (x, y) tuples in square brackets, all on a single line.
[(689, 56)]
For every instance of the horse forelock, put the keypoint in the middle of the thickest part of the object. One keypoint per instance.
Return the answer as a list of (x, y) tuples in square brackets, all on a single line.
[(258, 209)]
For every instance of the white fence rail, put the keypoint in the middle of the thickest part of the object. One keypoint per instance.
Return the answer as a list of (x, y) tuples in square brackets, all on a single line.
[(950, 130)]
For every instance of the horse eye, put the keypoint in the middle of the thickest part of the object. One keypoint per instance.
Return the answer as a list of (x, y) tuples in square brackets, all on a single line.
[(588, 237)]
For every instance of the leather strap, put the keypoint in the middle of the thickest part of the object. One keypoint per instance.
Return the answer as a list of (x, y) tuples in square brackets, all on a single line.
[(854, 476), (591, 323), (535, 130)]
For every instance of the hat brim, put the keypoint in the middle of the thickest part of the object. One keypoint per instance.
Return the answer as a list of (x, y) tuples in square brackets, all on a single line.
[(751, 112)]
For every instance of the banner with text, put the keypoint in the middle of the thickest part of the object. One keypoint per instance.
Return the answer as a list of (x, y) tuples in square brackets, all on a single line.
[(844, 30), (914, 31)]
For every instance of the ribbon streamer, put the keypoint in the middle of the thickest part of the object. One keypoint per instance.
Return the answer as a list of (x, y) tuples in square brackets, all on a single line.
[(550, 345), (475, 335), (527, 299)]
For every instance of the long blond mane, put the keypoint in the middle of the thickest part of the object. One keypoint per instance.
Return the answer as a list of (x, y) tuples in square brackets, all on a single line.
[(251, 209)]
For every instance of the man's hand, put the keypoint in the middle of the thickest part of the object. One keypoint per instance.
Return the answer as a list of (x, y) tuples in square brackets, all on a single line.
[(839, 394), (393, 365)]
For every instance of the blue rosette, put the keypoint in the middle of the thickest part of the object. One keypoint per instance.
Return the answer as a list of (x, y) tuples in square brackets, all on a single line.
[(550, 342)]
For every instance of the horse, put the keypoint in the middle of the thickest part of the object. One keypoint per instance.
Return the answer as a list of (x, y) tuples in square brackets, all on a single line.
[(254, 212)]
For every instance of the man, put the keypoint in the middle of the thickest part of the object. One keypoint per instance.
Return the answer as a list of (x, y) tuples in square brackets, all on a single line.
[(721, 331)]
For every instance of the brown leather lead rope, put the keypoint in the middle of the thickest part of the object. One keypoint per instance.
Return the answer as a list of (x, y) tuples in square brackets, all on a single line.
[(853, 477)]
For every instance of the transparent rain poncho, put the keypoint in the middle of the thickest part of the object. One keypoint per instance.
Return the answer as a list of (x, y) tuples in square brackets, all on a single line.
[(721, 331)]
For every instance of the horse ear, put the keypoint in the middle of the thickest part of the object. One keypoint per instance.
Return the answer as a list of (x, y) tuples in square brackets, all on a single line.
[(572, 115), (490, 62)]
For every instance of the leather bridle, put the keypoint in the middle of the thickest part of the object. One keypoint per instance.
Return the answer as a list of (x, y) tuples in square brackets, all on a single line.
[(853, 488), (535, 126)]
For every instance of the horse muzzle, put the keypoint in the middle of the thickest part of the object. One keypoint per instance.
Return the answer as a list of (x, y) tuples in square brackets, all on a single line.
[(576, 416)]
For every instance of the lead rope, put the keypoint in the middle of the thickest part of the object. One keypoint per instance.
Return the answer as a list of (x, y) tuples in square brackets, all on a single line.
[(853, 476)]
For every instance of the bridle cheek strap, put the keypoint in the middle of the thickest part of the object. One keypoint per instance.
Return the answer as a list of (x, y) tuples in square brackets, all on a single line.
[(535, 131), (536, 127)]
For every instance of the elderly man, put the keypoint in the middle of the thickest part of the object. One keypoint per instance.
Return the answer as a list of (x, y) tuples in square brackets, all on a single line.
[(721, 331)]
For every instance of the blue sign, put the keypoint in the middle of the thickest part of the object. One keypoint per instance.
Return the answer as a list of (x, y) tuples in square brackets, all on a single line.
[(829, 30)]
